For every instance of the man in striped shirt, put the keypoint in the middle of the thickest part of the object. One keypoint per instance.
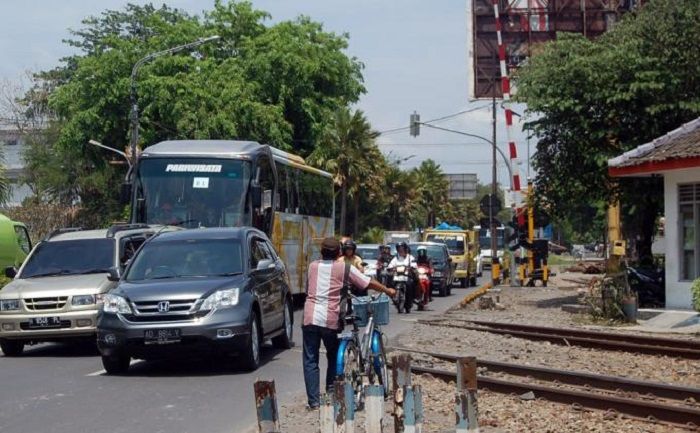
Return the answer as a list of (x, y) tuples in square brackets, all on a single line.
[(322, 320)]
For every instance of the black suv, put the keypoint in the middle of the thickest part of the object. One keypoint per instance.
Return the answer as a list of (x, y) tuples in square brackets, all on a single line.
[(443, 269), (202, 290)]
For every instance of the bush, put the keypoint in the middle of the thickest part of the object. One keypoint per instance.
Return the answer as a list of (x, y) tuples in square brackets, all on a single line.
[(695, 290)]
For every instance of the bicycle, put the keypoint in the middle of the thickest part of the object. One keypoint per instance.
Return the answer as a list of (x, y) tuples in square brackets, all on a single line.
[(361, 358)]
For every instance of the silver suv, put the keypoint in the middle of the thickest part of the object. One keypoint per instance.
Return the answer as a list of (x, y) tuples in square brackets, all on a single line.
[(57, 292)]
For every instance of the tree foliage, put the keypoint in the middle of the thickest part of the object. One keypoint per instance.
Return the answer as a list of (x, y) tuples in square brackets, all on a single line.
[(593, 100), (276, 84)]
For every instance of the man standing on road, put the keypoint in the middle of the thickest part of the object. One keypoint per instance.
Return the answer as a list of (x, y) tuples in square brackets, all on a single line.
[(322, 313)]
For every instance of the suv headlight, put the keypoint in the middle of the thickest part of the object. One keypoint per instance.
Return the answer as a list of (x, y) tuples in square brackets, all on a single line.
[(80, 300), (115, 304), (220, 299), (9, 304)]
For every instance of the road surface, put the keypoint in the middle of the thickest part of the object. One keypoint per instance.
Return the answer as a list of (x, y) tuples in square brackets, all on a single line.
[(56, 388)]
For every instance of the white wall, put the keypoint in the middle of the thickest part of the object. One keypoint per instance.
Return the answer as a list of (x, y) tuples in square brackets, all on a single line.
[(677, 292)]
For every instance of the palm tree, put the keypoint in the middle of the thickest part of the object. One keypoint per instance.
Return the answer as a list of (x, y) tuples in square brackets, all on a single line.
[(434, 191), (345, 149)]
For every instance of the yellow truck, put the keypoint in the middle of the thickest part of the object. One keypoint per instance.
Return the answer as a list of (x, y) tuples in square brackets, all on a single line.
[(463, 246)]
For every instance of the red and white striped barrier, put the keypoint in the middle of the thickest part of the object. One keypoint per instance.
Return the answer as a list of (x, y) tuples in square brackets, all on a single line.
[(505, 85)]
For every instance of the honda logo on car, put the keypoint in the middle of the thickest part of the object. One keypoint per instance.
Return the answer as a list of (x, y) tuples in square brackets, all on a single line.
[(163, 306)]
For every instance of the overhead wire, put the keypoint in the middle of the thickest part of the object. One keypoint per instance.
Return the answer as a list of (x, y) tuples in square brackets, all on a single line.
[(437, 119)]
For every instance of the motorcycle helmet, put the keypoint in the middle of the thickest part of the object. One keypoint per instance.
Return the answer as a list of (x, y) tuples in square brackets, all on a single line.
[(403, 245), (422, 252), (349, 244)]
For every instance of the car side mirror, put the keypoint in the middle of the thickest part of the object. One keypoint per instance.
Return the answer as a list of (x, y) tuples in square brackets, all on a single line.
[(265, 264), (10, 272), (114, 275)]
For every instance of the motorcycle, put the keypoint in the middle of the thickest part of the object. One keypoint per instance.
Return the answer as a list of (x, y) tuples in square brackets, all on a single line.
[(424, 286), (383, 275), (402, 282)]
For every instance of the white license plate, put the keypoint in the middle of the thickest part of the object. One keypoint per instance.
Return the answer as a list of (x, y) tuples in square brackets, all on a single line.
[(400, 278), (437, 274)]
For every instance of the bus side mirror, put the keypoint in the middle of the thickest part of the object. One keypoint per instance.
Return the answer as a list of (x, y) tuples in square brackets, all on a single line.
[(125, 193), (141, 209), (256, 196)]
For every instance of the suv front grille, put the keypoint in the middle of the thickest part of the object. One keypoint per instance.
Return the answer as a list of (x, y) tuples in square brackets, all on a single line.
[(177, 306), (43, 304)]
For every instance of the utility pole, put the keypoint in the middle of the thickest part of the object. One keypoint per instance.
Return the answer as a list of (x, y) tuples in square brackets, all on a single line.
[(495, 267)]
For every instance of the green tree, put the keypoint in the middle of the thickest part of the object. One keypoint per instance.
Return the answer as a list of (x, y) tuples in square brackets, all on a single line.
[(596, 99), (347, 149), (434, 192), (277, 84)]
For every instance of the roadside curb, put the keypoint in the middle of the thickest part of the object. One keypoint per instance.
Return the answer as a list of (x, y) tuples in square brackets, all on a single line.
[(474, 295)]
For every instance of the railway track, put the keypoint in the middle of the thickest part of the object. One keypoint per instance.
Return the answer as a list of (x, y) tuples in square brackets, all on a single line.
[(586, 391), (578, 337)]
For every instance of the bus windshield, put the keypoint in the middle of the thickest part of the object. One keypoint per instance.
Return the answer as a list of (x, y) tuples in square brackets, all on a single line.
[(485, 238), (193, 192)]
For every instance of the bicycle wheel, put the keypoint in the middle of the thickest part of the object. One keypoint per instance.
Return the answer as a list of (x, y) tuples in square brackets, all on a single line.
[(377, 371), (352, 371)]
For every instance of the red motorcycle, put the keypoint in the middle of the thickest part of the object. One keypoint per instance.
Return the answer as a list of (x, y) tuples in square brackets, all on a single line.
[(424, 286)]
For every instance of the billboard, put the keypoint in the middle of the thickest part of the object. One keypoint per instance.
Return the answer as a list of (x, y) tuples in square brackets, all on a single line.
[(526, 23), (462, 186)]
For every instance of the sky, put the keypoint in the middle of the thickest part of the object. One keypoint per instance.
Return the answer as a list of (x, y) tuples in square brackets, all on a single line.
[(414, 52)]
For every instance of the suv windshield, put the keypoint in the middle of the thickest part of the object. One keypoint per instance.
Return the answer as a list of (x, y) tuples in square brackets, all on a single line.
[(79, 256), (455, 243), (435, 252), (368, 253), (187, 258)]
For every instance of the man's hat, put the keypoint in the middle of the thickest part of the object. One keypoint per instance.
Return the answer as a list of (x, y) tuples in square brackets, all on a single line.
[(330, 244)]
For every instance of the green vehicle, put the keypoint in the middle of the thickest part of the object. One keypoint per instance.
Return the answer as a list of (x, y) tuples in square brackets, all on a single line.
[(14, 243)]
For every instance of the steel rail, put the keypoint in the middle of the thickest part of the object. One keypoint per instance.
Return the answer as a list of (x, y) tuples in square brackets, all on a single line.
[(570, 340), (629, 338), (650, 411), (578, 378)]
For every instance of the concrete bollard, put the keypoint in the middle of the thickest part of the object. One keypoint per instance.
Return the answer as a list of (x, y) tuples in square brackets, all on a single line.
[(401, 377), (466, 408), (266, 406), (374, 409), (349, 396), (325, 413), (418, 398), (339, 407), (409, 410)]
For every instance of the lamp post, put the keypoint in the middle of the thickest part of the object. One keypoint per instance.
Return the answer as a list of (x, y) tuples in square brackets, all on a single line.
[(415, 131), (134, 72)]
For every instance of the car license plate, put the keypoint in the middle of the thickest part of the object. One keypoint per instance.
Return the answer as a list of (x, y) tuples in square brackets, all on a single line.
[(400, 278), (437, 274), (161, 336), (45, 322)]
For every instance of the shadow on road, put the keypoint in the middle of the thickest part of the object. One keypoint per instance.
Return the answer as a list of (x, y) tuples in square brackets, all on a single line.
[(61, 350), (197, 366)]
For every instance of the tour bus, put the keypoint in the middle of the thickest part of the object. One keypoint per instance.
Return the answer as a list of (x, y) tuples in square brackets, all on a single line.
[(220, 183)]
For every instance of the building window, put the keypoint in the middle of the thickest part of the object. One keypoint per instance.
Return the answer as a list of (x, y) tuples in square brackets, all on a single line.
[(689, 237)]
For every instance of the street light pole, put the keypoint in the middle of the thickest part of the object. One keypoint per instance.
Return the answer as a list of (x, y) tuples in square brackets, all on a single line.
[(132, 95)]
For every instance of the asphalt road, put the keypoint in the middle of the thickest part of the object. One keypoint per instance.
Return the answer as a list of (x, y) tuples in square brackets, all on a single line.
[(56, 388)]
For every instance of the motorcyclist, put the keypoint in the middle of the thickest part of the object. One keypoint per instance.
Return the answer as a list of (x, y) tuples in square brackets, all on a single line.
[(403, 257), (349, 248), (423, 259)]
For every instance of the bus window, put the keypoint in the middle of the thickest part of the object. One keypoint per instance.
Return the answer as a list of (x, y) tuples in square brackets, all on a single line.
[(316, 195)]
